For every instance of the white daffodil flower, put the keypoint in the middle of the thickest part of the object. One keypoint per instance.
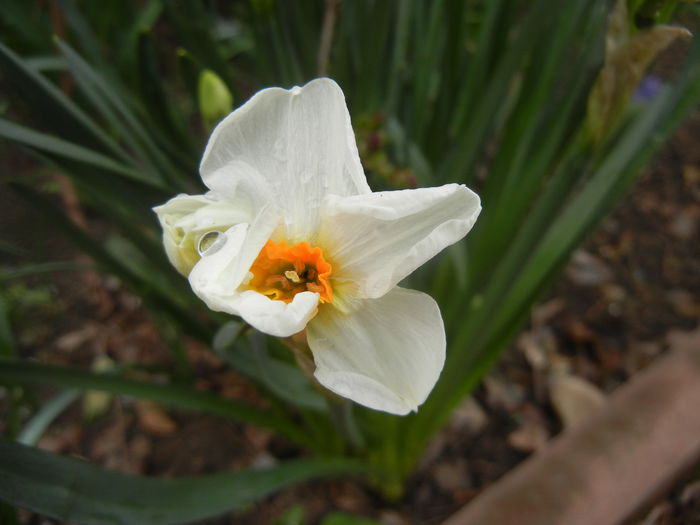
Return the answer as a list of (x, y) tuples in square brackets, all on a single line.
[(290, 237)]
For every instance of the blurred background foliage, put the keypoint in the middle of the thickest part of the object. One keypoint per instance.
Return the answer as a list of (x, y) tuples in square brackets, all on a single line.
[(534, 104)]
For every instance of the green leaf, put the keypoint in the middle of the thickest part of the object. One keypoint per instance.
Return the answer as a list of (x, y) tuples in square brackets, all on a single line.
[(144, 21), (172, 129), (83, 31), (7, 339), (36, 269), (8, 514), (13, 372), (193, 23), (107, 101), (62, 148), (294, 515), (342, 518), (250, 356), (52, 107), (75, 491), (35, 428), (153, 297), (582, 190)]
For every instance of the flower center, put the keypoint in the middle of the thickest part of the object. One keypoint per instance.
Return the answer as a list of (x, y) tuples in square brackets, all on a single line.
[(282, 271)]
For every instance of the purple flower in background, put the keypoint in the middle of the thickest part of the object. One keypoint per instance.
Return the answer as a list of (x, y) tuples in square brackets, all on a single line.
[(648, 89)]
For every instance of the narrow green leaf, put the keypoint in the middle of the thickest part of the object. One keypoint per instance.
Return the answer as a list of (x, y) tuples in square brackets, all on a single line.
[(56, 146), (35, 428), (7, 339), (52, 107), (108, 103), (13, 372), (46, 63), (194, 25), (251, 357), (83, 31), (34, 269), (562, 218), (144, 21), (8, 514), (153, 297), (294, 515), (75, 491), (170, 130), (343, 518)]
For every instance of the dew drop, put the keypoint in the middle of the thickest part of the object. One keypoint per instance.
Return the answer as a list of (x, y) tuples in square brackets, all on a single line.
[(210, 243)]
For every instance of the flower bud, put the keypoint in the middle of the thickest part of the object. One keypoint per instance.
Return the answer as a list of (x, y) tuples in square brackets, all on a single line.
[(215, 99)]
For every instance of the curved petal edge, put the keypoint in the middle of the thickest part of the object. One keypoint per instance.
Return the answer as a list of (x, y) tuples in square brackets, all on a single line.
[(386, 354)]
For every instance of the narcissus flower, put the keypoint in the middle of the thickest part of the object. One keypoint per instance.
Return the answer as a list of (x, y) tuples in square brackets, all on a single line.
[(290, 238)]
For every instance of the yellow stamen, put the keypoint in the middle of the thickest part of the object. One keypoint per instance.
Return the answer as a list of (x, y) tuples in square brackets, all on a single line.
[(292, 276), (282, 271)]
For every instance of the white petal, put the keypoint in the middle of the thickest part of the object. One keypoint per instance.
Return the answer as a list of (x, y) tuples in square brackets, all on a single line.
[(223, 267), (378, 239), (386, 354), (300, 141), (277, 317), (181, 205), (186, 218), (238, 181)]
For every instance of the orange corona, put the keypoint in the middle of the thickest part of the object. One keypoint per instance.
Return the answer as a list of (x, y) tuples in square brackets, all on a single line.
[(282, 271)]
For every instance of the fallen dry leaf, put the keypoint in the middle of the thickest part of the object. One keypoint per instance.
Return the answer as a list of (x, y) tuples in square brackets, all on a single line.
[(683, 302), (640, 355), (661, 514), (580, 333), (684, 224), (502, 393), (153, 419), (391, 517), (109, 446), (259, 438), (586, 269), (529, 437), (574, 399), (544, 312), (469, 416), (537, 347), (62, 438), (452, 476), (73, 340), (691, 493)]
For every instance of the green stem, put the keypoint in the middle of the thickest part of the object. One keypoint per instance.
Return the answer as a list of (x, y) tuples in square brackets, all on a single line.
[(344, 420), (339, 408)]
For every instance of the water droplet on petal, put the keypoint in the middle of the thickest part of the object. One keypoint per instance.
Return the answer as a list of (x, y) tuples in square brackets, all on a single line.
[(210, 243)]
